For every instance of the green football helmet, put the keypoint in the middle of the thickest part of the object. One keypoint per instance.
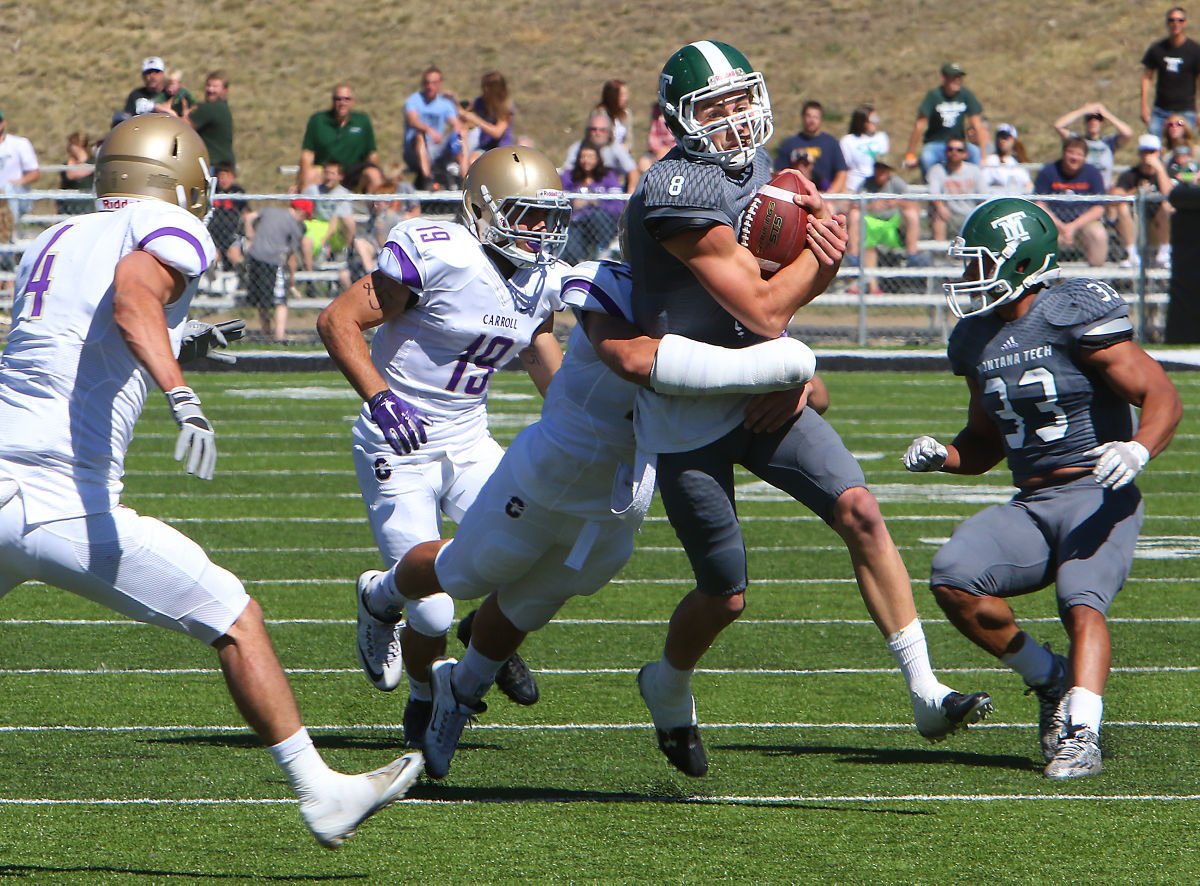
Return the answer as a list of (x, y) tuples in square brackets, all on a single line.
[(1008, 245), (705, 70)]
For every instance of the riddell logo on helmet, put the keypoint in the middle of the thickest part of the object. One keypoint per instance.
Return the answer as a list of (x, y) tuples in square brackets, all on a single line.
[(549, 194), (114, 202)]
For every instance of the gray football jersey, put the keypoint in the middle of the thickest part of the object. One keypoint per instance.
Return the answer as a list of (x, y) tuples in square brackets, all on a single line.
[(677, 195), (1049, 406)]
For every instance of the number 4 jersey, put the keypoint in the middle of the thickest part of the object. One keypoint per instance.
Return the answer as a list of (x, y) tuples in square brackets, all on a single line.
[(467, 322), (1049, 406)]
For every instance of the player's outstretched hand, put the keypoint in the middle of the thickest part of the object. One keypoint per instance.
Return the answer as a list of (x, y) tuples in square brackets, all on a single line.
[(827, 238), (403, 424), (924, 454), (196, 438), (201, 339), (1117, 462)]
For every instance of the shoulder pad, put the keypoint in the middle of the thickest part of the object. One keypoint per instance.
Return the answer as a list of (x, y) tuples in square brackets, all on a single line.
[(1081, 300), (602, 286), (172, 235), (674, 181)]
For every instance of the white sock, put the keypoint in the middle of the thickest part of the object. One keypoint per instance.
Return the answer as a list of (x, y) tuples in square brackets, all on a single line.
[(1132, 251), (384, 600), (1034, 663), (418, 690), (673, 695), (911, 652), (301, 763), (1085, 708), (474, 675)]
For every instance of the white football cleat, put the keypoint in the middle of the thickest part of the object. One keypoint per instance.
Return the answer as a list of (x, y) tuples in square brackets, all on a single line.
[(348, 800), (378, 642), (1077, 755), (447, 720)]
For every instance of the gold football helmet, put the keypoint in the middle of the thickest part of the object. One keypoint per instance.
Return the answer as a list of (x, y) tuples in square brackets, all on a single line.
[(154, 156), (508, 194)]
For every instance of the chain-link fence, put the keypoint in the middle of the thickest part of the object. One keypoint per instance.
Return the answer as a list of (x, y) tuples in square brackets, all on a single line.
[(888, 291)]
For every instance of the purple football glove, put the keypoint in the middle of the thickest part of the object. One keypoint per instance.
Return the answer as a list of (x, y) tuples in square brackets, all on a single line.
[(403, 424)]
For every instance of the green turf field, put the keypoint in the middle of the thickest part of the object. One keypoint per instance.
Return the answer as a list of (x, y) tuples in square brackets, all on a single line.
[(124, 761)]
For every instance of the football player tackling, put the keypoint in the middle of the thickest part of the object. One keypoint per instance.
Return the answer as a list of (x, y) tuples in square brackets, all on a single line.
[(691, 278), (452, 303), (1052, 372), (101, 308)]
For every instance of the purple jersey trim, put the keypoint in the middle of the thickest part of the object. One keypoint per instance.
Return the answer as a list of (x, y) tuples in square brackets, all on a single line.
[(597, 293), (182, 235), (408, 271)]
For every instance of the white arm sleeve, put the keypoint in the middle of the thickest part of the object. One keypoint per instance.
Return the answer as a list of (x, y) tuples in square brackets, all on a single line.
[(683, 366)]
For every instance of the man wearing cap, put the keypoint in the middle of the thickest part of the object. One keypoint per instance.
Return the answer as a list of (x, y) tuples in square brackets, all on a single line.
[(947, 111), (143, 99), (891, 221), (1100, 147), (1173, 66), (1149, 177)]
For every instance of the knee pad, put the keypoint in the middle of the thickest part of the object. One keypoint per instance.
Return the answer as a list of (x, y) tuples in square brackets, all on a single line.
[(430, 616)]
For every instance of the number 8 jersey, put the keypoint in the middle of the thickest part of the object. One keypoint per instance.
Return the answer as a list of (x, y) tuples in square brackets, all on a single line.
[(1049, 407), (467, 322)]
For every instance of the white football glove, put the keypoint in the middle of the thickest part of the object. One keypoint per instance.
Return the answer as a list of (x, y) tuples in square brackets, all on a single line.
[(196, 437), (1117, 463), (924, 454), (202, 339)]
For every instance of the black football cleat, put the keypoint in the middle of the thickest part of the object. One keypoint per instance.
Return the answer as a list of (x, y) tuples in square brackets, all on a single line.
[(514, 678), (954, 711), (683, 747)]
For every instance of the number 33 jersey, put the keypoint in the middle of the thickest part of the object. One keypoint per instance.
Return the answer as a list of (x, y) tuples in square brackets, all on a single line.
[(467, 321), (1049, 407)]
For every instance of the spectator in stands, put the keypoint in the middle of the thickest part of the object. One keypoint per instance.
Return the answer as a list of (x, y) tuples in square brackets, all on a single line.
[(18, 167), (331, 224), (862, 145), (659, 139), (177, 100), (433, 143), (888, 219), (275, 235), (1148, 178), (1172, 64), (1100, 147), (954, 175), (228, 213), (1182, 166), (828, 170), (344, 135), (1003, 172), (213, 121), (1080, 223), (614, 102), (79, 174), (613, 155), (491, 114), (593, 222), (947, 111), (152, 91), (1176, 132), (397, 205)]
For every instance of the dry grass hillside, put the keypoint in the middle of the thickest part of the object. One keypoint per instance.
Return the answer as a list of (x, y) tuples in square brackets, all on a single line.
[(68, 65)]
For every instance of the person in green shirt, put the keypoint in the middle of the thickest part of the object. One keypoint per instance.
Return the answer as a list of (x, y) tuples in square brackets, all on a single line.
[(344, 135), (213, 121), (947, 111)]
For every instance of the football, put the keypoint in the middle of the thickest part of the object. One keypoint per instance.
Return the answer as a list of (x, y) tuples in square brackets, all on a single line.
[(774, 228)]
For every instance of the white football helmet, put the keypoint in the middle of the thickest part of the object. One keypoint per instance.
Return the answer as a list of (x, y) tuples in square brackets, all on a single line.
[(507, 195)]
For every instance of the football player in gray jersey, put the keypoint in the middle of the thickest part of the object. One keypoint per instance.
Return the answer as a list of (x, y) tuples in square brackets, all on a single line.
[(1052, 372), (692, 279)]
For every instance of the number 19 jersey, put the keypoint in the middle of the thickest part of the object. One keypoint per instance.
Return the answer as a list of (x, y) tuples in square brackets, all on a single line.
[(467, 322)]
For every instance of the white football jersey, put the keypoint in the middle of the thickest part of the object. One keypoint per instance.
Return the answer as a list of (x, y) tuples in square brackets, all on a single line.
[(70, 389), (467, 322), (569, 458)]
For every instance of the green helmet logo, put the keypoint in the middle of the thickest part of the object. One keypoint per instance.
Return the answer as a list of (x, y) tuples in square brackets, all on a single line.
[(1008, 245), (697, 77)]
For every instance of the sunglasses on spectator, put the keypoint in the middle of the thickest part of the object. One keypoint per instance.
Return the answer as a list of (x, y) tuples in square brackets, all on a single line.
[(955, 149), (343, 98), (1174, 122), (1176, 18)]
